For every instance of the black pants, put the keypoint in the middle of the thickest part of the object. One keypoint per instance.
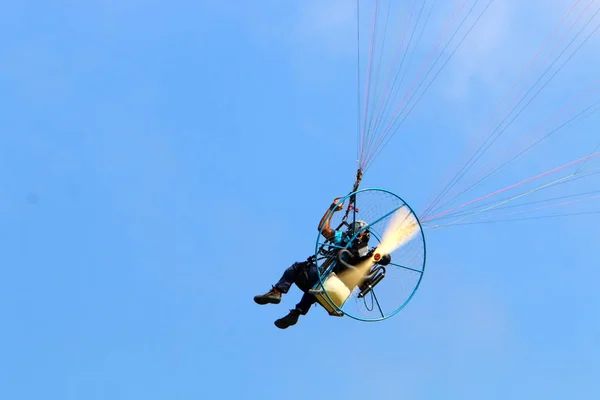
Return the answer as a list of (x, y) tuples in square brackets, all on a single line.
[(305, 276)]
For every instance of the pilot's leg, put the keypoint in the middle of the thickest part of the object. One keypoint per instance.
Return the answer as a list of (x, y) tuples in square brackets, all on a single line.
[(302, 308), (289, 277), (305, 282)]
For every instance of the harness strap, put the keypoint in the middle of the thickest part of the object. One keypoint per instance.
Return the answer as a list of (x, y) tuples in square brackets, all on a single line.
[(352, 203)]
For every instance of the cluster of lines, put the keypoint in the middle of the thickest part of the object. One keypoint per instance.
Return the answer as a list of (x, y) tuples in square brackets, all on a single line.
[(580, 23), (396, 30)]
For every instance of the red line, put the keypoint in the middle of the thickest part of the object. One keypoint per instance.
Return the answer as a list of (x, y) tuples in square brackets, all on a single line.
[(549, 55), (436, 47), (554, 205), (481, 130), (515, 185), (369, 64), (487, 168), (387, 85)]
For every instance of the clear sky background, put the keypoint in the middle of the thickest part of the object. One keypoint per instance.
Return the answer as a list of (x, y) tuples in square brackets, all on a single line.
[(164, 162)]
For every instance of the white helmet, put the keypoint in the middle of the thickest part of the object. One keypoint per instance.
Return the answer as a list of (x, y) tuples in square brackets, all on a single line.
[(357, 226)]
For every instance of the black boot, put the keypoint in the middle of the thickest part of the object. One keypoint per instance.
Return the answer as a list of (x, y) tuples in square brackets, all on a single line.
[(288, 320), (273, 297)]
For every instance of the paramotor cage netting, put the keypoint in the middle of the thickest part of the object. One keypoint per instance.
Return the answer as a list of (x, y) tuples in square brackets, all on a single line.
[(382, 289)]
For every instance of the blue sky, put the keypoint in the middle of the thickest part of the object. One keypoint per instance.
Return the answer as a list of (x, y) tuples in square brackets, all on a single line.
[(162, 163)]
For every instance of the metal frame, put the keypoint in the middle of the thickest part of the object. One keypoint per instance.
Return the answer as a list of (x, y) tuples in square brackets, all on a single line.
[(320, 244)]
